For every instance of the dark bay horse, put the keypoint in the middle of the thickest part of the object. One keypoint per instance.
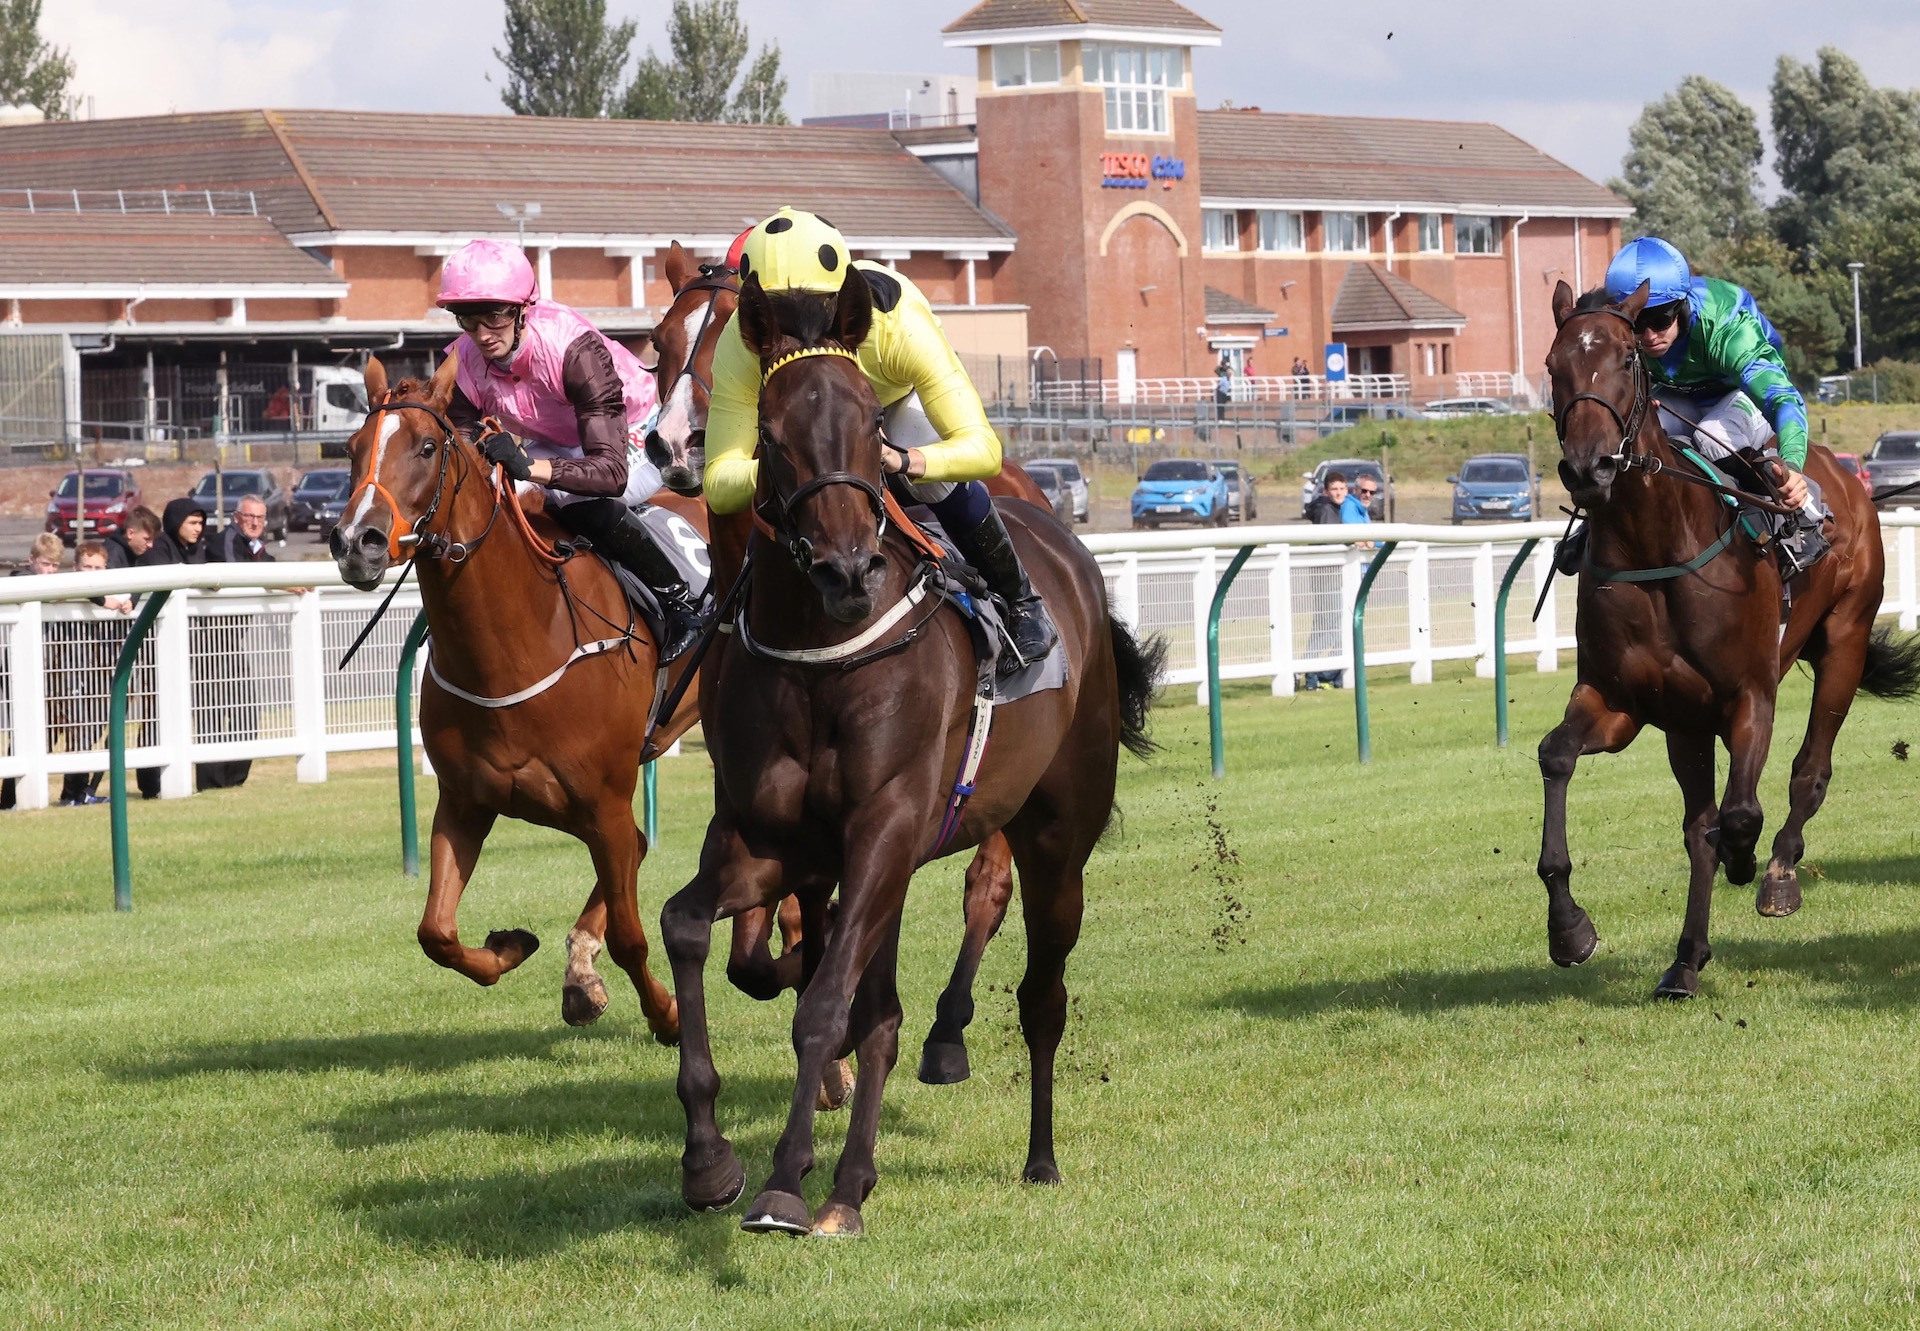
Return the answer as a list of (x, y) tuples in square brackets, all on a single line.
[(1700, 652), (842, 774), (705, 297), (507, 616)]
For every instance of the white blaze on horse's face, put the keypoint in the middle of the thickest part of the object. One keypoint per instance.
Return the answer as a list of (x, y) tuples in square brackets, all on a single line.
[(350, 526), (680, 415)]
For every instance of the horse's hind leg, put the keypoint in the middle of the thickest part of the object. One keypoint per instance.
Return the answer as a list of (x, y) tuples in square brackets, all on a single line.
[(751, 966), (1837, 669), (1589, 726), (1691, 756), (874, 1029), (459, 830), (583, 994), (943, 1059), (1052, 901), (618, 847)]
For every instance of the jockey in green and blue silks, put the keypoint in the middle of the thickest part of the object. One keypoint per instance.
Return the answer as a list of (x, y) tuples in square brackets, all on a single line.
[(1719, 374)]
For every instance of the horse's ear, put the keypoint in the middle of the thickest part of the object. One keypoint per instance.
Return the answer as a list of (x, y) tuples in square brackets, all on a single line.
[(376, 381), (1563, 299), (1635, 303), (853, 310), (755, 317), (679, 267), (440, 392)]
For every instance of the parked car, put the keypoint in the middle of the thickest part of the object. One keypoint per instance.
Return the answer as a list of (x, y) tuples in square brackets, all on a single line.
[(1054, 486), (1447, 407), (312, 490), (1894, 461), (1243, 496), (1495, 487), (110, 493), (1076, 481), (1358, 413), (1180, 490), (1854, 467), (220, 492), (1311, 483)]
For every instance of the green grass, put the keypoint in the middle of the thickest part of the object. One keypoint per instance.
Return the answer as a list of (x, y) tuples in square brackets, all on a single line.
[(1319, 1070)]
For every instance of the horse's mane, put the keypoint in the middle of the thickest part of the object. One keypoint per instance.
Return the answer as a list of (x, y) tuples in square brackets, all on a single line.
[(806, 316), (1596, 299), (408, 390)]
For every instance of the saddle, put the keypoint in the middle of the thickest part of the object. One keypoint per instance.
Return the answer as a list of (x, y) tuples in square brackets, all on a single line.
[(670, 533)]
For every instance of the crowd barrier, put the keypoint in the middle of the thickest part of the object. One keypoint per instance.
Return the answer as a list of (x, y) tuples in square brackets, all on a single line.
[(241, 665)]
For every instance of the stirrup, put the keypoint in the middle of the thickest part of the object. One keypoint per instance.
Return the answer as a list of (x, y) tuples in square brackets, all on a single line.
[(1800, 549), (1031, 612)]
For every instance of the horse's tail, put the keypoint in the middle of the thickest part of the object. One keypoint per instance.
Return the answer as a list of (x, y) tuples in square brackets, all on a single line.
[(1138, 666), (1893, 665)]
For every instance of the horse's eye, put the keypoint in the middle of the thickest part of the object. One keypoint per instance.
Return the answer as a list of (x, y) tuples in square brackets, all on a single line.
[(427, 446)]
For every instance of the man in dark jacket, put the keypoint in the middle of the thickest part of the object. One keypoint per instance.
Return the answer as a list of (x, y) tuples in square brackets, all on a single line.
[(243, 541), (125, 548), (180, 541), (1323, 638), (224, 655)]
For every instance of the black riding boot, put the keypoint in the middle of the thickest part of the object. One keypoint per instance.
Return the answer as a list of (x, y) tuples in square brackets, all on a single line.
[(617, 532), (988, 548), (1571, 551), (1800, 546)]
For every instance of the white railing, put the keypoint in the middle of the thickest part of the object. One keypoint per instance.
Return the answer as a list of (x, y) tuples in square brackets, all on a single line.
[(1198, 391), (235, 669), (1488, 383)]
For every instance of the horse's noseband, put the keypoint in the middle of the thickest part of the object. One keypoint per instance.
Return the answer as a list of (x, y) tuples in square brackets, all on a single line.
[(799, 546)]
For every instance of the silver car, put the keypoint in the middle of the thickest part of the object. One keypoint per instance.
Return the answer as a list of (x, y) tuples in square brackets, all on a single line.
[(1074, 479), (1894, 464)]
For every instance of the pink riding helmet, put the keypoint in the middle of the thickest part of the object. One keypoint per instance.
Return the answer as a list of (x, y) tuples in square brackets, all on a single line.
[(487, 272)]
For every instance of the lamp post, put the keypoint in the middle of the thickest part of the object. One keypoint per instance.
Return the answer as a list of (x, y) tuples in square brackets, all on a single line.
[(1855, 268), (519, 214)]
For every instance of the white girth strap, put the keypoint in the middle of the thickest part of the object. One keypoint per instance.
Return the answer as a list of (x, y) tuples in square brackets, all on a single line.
[(580, 653), (841, 650)]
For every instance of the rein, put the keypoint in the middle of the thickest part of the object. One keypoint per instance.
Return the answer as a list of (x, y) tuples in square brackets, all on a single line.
[(714, 279)]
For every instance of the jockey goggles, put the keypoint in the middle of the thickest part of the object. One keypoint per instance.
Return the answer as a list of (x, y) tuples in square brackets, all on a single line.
[(1660, 318), (493, 318)]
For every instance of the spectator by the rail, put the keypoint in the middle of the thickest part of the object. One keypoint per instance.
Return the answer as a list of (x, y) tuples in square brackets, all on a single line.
[(124, 548), (80, 657), (1222, 388), (244, 540), (43, 556), (1301, 370), (183, 527), (1358, 505), (226, 703), (1323, 584)]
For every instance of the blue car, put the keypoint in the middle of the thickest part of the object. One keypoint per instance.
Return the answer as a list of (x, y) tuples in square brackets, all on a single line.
[(1493, 487), (1180, 490)]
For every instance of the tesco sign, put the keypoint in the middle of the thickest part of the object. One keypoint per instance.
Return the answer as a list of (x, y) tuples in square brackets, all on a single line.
[(1138, 170)]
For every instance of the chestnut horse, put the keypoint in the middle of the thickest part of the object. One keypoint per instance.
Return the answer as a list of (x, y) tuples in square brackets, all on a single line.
[(1679, 627), (843, 774), (705, 297), (509, 616)]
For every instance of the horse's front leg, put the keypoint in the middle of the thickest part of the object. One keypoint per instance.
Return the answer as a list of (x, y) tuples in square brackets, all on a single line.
[(1749, 736), (583, 994), (871, 895), (1589, 726), (943, 1059), (618, 847), (1691, 757), (730, 879), (459, 830)]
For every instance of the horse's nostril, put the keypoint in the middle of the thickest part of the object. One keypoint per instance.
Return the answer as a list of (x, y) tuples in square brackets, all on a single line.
[(336, 543), (876, 565), (656, 448), (370, 539)]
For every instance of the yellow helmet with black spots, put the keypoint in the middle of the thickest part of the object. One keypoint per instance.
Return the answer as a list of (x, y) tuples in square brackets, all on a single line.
[(794, 250)]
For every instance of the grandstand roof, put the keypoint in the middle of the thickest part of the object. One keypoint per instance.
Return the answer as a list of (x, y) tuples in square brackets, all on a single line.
[(113, 251)]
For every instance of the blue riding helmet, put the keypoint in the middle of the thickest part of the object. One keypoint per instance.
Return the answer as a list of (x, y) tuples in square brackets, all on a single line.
[(1653, 261)]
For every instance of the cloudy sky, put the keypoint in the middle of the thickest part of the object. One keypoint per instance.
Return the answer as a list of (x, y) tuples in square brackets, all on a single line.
[(1568, 78)]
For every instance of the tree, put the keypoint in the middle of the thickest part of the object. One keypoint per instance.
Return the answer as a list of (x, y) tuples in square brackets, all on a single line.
[(1798, 304), (563, 58), (32, 73), (1690, 169), (1842, 147), (707, 42)]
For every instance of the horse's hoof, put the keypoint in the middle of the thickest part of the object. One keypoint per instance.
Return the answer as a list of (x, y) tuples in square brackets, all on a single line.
[(512, 946), (943, 1064), (836, 1220), (1679, 982), (1573, 945), (775, 1212), (1741, 865), (583, 1004), (836, 1087), (1040, 1171), (668, 1036), (717, 1186), (1779, 894)]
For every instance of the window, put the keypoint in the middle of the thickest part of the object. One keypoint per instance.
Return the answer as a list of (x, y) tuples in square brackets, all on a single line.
[(1475, 235), (1282, 232), (347, 397), (1346, 233), (1220, 229), (1135, 79), (1017, 66), (1175, 469), (1430, 242)]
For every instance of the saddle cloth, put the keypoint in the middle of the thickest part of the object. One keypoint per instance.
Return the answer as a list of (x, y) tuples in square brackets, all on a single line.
[(683, 545), (986, 622)]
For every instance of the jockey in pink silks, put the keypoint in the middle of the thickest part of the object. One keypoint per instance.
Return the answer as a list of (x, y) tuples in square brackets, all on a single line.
[(579, 402)]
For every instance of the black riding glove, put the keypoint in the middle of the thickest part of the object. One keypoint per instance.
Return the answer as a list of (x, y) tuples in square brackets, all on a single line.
[(504, 449)]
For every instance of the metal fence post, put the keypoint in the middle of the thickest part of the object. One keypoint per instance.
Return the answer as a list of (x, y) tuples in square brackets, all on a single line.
[(117, 747), (1362, 733), (650, 802), (1215, 726), (403, 742), (1500, 641)]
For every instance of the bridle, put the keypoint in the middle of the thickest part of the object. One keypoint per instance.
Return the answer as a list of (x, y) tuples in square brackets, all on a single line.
[(1636, 414), (714, 279), (781, 527), (434, 545)]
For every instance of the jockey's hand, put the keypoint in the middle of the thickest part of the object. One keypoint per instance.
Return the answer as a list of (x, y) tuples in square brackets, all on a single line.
[(1793, 486), (504, 449), (910, 462)]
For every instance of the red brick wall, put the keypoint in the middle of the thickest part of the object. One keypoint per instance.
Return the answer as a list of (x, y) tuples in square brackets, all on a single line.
[(70, 311), (386, 283), (588, 279), (263, 311), (183, 311)]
